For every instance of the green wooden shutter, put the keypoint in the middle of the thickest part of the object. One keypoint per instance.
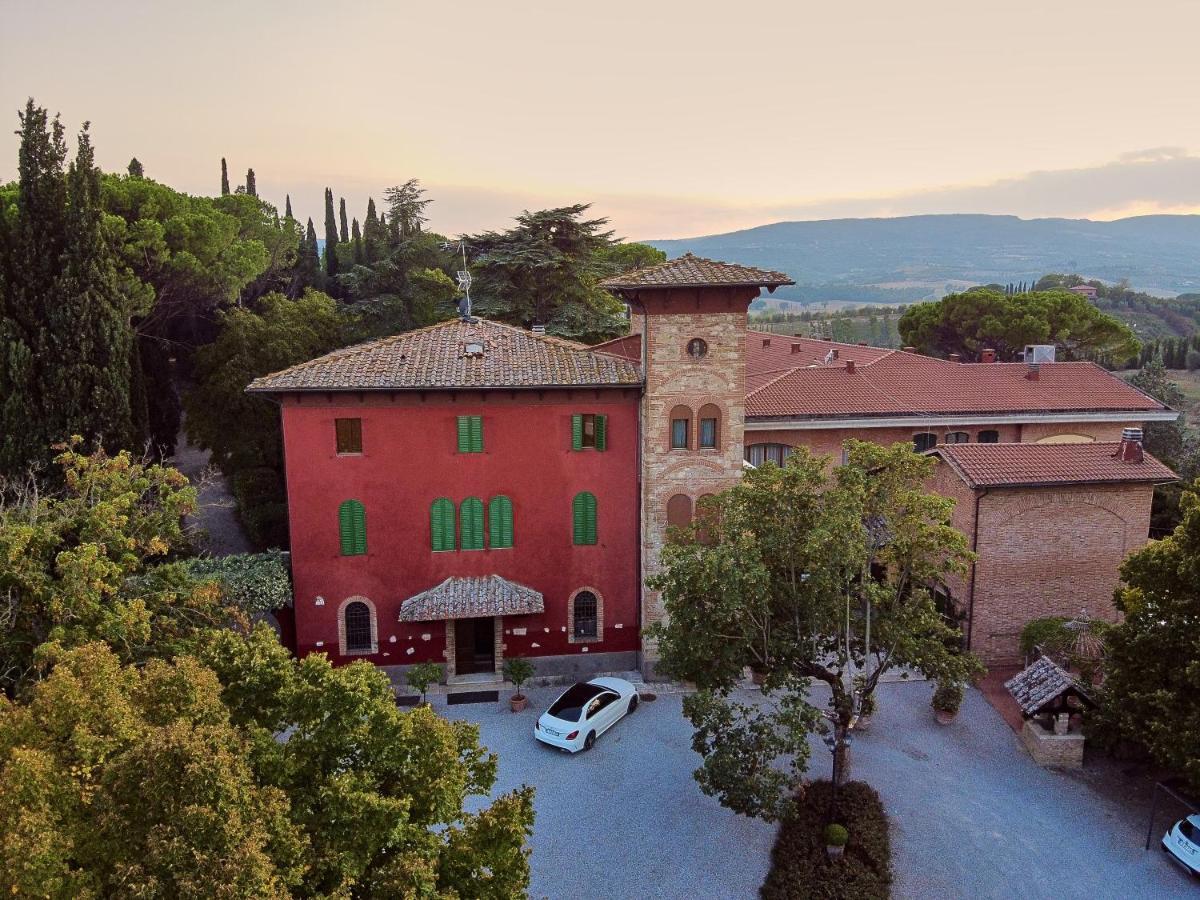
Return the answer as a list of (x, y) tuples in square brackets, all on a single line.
[(500, 523), (352, 528), (471, 523), (476, 434), (601, 432), (577, 431), (583, 516), (591, 518), (464, 434), (441, 524)]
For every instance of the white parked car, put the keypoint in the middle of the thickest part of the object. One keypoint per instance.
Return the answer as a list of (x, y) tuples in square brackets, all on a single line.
[(585, 711), (1183, 843)]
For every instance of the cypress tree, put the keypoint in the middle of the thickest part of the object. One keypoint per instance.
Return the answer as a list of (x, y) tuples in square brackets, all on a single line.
[(308, 263), (224, 178), (251, 187), (331, 236), (288, 207), (370, 232), (343, 233), (356, 237), (135, 169)]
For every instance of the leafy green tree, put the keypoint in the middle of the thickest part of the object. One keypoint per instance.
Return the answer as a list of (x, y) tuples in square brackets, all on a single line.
[(135, 169), (406, 209), (251, 183), (1151, 693), (805, 577), (331, 236), (967, 323), (1170, 442), (547, 270), (343, 232), (224, 178)]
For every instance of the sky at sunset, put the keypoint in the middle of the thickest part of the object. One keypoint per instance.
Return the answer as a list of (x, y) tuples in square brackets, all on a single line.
[(673, 119)]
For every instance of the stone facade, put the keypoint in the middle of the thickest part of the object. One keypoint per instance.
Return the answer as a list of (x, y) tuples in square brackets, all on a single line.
[(1042, 551), (1064, 751), (680, 383)]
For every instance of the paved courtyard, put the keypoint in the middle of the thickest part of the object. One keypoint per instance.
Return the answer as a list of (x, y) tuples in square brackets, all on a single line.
[(971, 815)]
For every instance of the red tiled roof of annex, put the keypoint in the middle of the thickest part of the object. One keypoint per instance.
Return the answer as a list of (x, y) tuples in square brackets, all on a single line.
[(810, 383), (696, 271), (455, 354), (1016, 465)]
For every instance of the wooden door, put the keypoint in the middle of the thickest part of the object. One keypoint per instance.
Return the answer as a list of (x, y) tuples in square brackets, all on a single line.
[(474, 646)]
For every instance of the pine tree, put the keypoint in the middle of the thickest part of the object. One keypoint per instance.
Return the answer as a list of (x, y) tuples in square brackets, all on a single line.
[(251, 187), (288, 207), (356, 237), (344, 233), (224, 178), (135, 169), (331, 236)]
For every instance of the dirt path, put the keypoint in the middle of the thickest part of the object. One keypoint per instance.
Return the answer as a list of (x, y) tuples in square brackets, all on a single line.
[(218, 531)]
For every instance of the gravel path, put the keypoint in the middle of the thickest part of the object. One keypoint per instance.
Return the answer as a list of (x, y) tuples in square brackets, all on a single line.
[(972, 816), (218, 531)]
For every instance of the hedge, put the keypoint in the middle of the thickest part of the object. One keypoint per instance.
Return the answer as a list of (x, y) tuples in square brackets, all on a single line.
[(255, 582), (800, 869)]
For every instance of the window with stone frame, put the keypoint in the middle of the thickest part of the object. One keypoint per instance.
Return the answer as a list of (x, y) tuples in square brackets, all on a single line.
[(680, 436), (357, 627), (585, 616), (709, 433)]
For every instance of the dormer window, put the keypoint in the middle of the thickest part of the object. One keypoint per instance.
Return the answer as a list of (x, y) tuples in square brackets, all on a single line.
[(474, 349)]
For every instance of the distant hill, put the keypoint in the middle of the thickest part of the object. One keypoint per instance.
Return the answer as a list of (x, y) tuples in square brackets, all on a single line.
[(900, 260)]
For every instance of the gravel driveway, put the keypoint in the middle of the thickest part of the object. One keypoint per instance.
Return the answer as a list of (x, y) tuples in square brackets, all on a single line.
[(971, 815)]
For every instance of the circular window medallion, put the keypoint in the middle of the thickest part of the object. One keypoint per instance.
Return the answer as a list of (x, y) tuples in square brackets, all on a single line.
[(697, 348)]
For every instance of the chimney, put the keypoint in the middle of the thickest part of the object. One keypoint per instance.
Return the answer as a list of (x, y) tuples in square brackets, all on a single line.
[(955, 357), (987, 355), (1130, 450), (834, 351), (1035, 371), (796, 347), (766, 342), (849, 367), (538, 329)]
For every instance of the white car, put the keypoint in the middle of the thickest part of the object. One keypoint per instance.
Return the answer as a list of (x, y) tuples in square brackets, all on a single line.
[(1183, 843), (585, 711)]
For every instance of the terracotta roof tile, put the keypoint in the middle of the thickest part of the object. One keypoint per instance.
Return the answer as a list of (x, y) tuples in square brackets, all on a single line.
[(894, 382), (1017, 465), (438, 357), (695, 271), (628, 347), (470, 598)]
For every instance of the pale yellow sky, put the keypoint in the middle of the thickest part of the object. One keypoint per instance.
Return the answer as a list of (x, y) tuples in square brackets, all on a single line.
[(673, 118)]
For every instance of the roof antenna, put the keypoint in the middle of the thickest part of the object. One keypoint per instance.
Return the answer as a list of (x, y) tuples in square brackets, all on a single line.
[(464, 284)]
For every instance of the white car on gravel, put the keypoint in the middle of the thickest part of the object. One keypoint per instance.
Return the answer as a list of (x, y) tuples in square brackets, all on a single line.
[(584, 711), (1183, 843)]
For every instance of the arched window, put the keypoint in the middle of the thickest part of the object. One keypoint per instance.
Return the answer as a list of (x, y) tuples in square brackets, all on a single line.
[(679, 511), (359, 636), (990, 436), (757, 454), (441, 524), (583, 517), (957, 437), (470, 519), (352, 528), (924, 440), (500, 522), (586, 611), (681, 428), (708, 434)]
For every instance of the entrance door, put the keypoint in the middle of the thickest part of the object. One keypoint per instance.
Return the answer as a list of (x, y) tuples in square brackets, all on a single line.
[(474, 646)]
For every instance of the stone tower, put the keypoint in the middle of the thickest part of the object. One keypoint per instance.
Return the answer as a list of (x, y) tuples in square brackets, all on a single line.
[(692, 316)]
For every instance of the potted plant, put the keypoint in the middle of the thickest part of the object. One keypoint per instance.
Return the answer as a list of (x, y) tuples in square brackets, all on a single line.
[(947, 698), (835, 840), (421, 676), (518, 670)]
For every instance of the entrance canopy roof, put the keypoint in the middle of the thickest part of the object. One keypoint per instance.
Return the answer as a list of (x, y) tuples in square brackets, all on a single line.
[(472, 598)]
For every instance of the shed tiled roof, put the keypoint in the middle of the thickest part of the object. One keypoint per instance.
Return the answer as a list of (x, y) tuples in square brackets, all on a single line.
[(696, 271), (1015, 465), (1041, 683), (627, 347), (470, 598), (895, 382), (438, 357)]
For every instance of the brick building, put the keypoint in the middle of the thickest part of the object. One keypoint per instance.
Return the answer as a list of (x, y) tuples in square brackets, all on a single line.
[(471, 491), (1050, 524)]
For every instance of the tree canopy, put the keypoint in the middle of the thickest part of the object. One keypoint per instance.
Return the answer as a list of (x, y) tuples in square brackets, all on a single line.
[(985, 318), (805, 576)]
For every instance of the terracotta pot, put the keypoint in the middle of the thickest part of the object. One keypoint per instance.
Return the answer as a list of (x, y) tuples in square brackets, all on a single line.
[(943, 717), (517, 702)]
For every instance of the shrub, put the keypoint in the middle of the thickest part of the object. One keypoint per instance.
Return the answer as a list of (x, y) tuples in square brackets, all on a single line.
[(836, 835), (948, 697), (254, 582), (800, 868), (1193, 360), (261, 506), (1047, 633), (422, 675), (518, 670)]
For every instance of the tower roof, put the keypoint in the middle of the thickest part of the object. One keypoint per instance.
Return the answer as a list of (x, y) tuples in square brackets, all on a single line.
[(695, 271)]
